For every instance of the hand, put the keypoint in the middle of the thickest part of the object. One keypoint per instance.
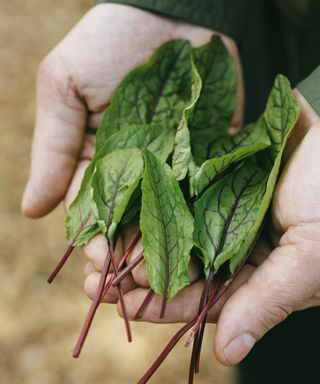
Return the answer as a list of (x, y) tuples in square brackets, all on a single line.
[(279, 278), (74, 86)]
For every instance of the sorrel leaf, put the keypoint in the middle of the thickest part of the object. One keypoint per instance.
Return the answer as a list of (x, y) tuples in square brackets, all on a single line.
[(210, 110), (167, 226), (133, 207), (217, 101), (228, 150), (182, 156), (153, 93), (116, 177), (235, 202), (281, 115), (157, 138), (226, 213), (80, 222)]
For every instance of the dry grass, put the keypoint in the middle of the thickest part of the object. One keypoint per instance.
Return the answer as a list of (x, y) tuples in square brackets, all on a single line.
[(39, 323)]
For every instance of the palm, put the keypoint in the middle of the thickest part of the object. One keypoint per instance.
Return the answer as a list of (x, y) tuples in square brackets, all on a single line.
[(297, 196)]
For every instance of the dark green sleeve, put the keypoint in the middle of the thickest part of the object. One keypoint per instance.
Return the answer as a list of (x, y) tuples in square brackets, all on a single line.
[(310, 88), (227, 17), (273, 36)]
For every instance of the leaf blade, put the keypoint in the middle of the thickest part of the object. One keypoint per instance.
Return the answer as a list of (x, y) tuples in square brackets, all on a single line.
[(217, 225), (217, 100), (236, 250), (152, 93), (116, 177), (166, 225), (229, 150), (182, 156), (80, 222)]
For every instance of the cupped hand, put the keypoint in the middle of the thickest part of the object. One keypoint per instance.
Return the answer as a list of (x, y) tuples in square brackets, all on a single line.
[(74, 86), (282, 274)]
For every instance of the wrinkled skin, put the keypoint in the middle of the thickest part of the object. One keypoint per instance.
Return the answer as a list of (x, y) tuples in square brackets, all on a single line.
[(74, 89)]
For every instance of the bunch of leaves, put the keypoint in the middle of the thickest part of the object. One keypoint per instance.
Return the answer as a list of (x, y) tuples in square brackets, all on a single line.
[(164, 156)]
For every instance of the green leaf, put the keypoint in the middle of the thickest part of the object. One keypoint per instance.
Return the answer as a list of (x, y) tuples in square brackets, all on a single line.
[(234, 208), (228, 150), (116, 177), (226, 213), (217, 101), (280, 116), (157, 138), (133, 207), (153, 93), (80, 222), (167, 226), (182, 156)]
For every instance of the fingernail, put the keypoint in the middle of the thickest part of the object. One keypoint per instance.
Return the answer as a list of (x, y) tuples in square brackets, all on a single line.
[(238, 348)]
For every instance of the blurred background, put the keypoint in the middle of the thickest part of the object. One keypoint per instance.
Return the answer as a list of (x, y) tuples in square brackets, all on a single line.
[(39, 324)]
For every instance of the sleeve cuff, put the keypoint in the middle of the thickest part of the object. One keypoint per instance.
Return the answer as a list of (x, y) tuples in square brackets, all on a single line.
[(310, 88), (219, 15)]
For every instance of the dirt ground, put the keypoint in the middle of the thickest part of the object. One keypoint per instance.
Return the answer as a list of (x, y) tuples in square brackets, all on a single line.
[(39, 323)]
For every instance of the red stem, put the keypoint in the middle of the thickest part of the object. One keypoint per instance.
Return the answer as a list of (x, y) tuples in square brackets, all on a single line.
[(101, 293), (163, 307), (144, 305), (211, 301), (122, 261), (198, 353), (178, 335), (67, 253), (61, 263), (213, 298), (122, 303), (125, 272), (94, 306), (196, 350), (146, 377)]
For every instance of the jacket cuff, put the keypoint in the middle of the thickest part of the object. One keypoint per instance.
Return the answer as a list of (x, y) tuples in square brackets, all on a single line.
[(310, 88), (227, 17)]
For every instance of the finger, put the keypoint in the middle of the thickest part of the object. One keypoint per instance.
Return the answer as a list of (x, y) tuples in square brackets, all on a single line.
[(75, 183), (129, 234), (97, 249), (283, 283), (91, 286), (260, 252), (94, 119), (58, 138), (139, 273), (89, 268), (185, 305)]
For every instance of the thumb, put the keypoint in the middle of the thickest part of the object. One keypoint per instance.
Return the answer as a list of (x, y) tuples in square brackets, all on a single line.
[(276, 288), (58, 138)]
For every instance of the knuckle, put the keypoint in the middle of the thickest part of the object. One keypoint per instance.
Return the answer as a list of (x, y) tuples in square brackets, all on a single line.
[(45, 69), (272, 314), (48, 73)]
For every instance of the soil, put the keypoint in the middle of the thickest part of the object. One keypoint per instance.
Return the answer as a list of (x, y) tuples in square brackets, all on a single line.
[(39, 323)]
